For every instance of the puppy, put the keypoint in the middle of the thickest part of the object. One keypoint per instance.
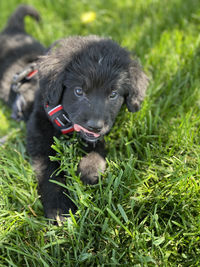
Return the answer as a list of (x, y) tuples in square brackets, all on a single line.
[(83, 82), (18, 51)]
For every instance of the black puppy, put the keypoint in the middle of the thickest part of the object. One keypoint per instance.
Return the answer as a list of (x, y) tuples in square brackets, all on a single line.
[(17, 51), (83, 83)]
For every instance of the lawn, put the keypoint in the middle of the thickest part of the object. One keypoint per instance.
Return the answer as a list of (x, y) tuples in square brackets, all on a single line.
[(145, 211)]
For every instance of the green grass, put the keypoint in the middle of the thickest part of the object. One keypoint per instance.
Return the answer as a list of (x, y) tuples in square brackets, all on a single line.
[(146, 209)]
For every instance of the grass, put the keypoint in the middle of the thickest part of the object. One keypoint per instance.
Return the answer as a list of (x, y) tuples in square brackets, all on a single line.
[(145, 210)]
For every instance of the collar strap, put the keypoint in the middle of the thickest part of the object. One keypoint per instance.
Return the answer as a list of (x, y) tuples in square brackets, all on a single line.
[(59, 118), (22, 77)]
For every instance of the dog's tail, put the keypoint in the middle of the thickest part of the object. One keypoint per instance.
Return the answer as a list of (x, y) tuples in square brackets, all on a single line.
[(16, 21)]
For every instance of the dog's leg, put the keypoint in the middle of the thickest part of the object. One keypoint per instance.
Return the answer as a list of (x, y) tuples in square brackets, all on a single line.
[(54, 197), (93, 165)]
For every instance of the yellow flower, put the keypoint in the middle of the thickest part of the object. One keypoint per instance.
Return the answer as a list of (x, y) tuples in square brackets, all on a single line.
[(88, 17)]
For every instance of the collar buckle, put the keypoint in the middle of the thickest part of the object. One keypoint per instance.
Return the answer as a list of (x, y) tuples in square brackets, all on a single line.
[(59, 118)]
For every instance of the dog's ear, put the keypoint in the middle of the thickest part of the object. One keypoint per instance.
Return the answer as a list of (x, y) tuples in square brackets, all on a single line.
[(138, 85), (51, 76), (53, 67)]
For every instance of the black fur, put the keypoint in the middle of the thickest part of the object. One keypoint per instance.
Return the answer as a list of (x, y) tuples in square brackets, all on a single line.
[(101, 69)]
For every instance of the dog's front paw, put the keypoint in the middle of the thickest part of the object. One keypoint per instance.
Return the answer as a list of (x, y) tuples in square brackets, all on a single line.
[(90, 167), (57, 208), (89, 176), (56, 216)]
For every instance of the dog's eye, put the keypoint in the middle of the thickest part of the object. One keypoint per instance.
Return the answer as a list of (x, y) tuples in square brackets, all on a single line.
[(113, 95), (78, 91)]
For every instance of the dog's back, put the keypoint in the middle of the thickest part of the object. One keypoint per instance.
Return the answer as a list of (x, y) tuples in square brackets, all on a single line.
[(18, 49)]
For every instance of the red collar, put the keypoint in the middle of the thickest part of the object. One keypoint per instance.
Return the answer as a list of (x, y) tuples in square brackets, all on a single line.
[(59, 118), (56, 114)]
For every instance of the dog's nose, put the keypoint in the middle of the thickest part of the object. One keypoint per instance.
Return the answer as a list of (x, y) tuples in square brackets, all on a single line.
[(95, 125)]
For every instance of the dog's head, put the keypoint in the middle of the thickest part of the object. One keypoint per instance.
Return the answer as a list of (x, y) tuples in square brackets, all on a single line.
[(92, 77)]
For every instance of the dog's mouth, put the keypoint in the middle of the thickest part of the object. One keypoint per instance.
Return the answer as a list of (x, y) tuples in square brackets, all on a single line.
[(86, 134)]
